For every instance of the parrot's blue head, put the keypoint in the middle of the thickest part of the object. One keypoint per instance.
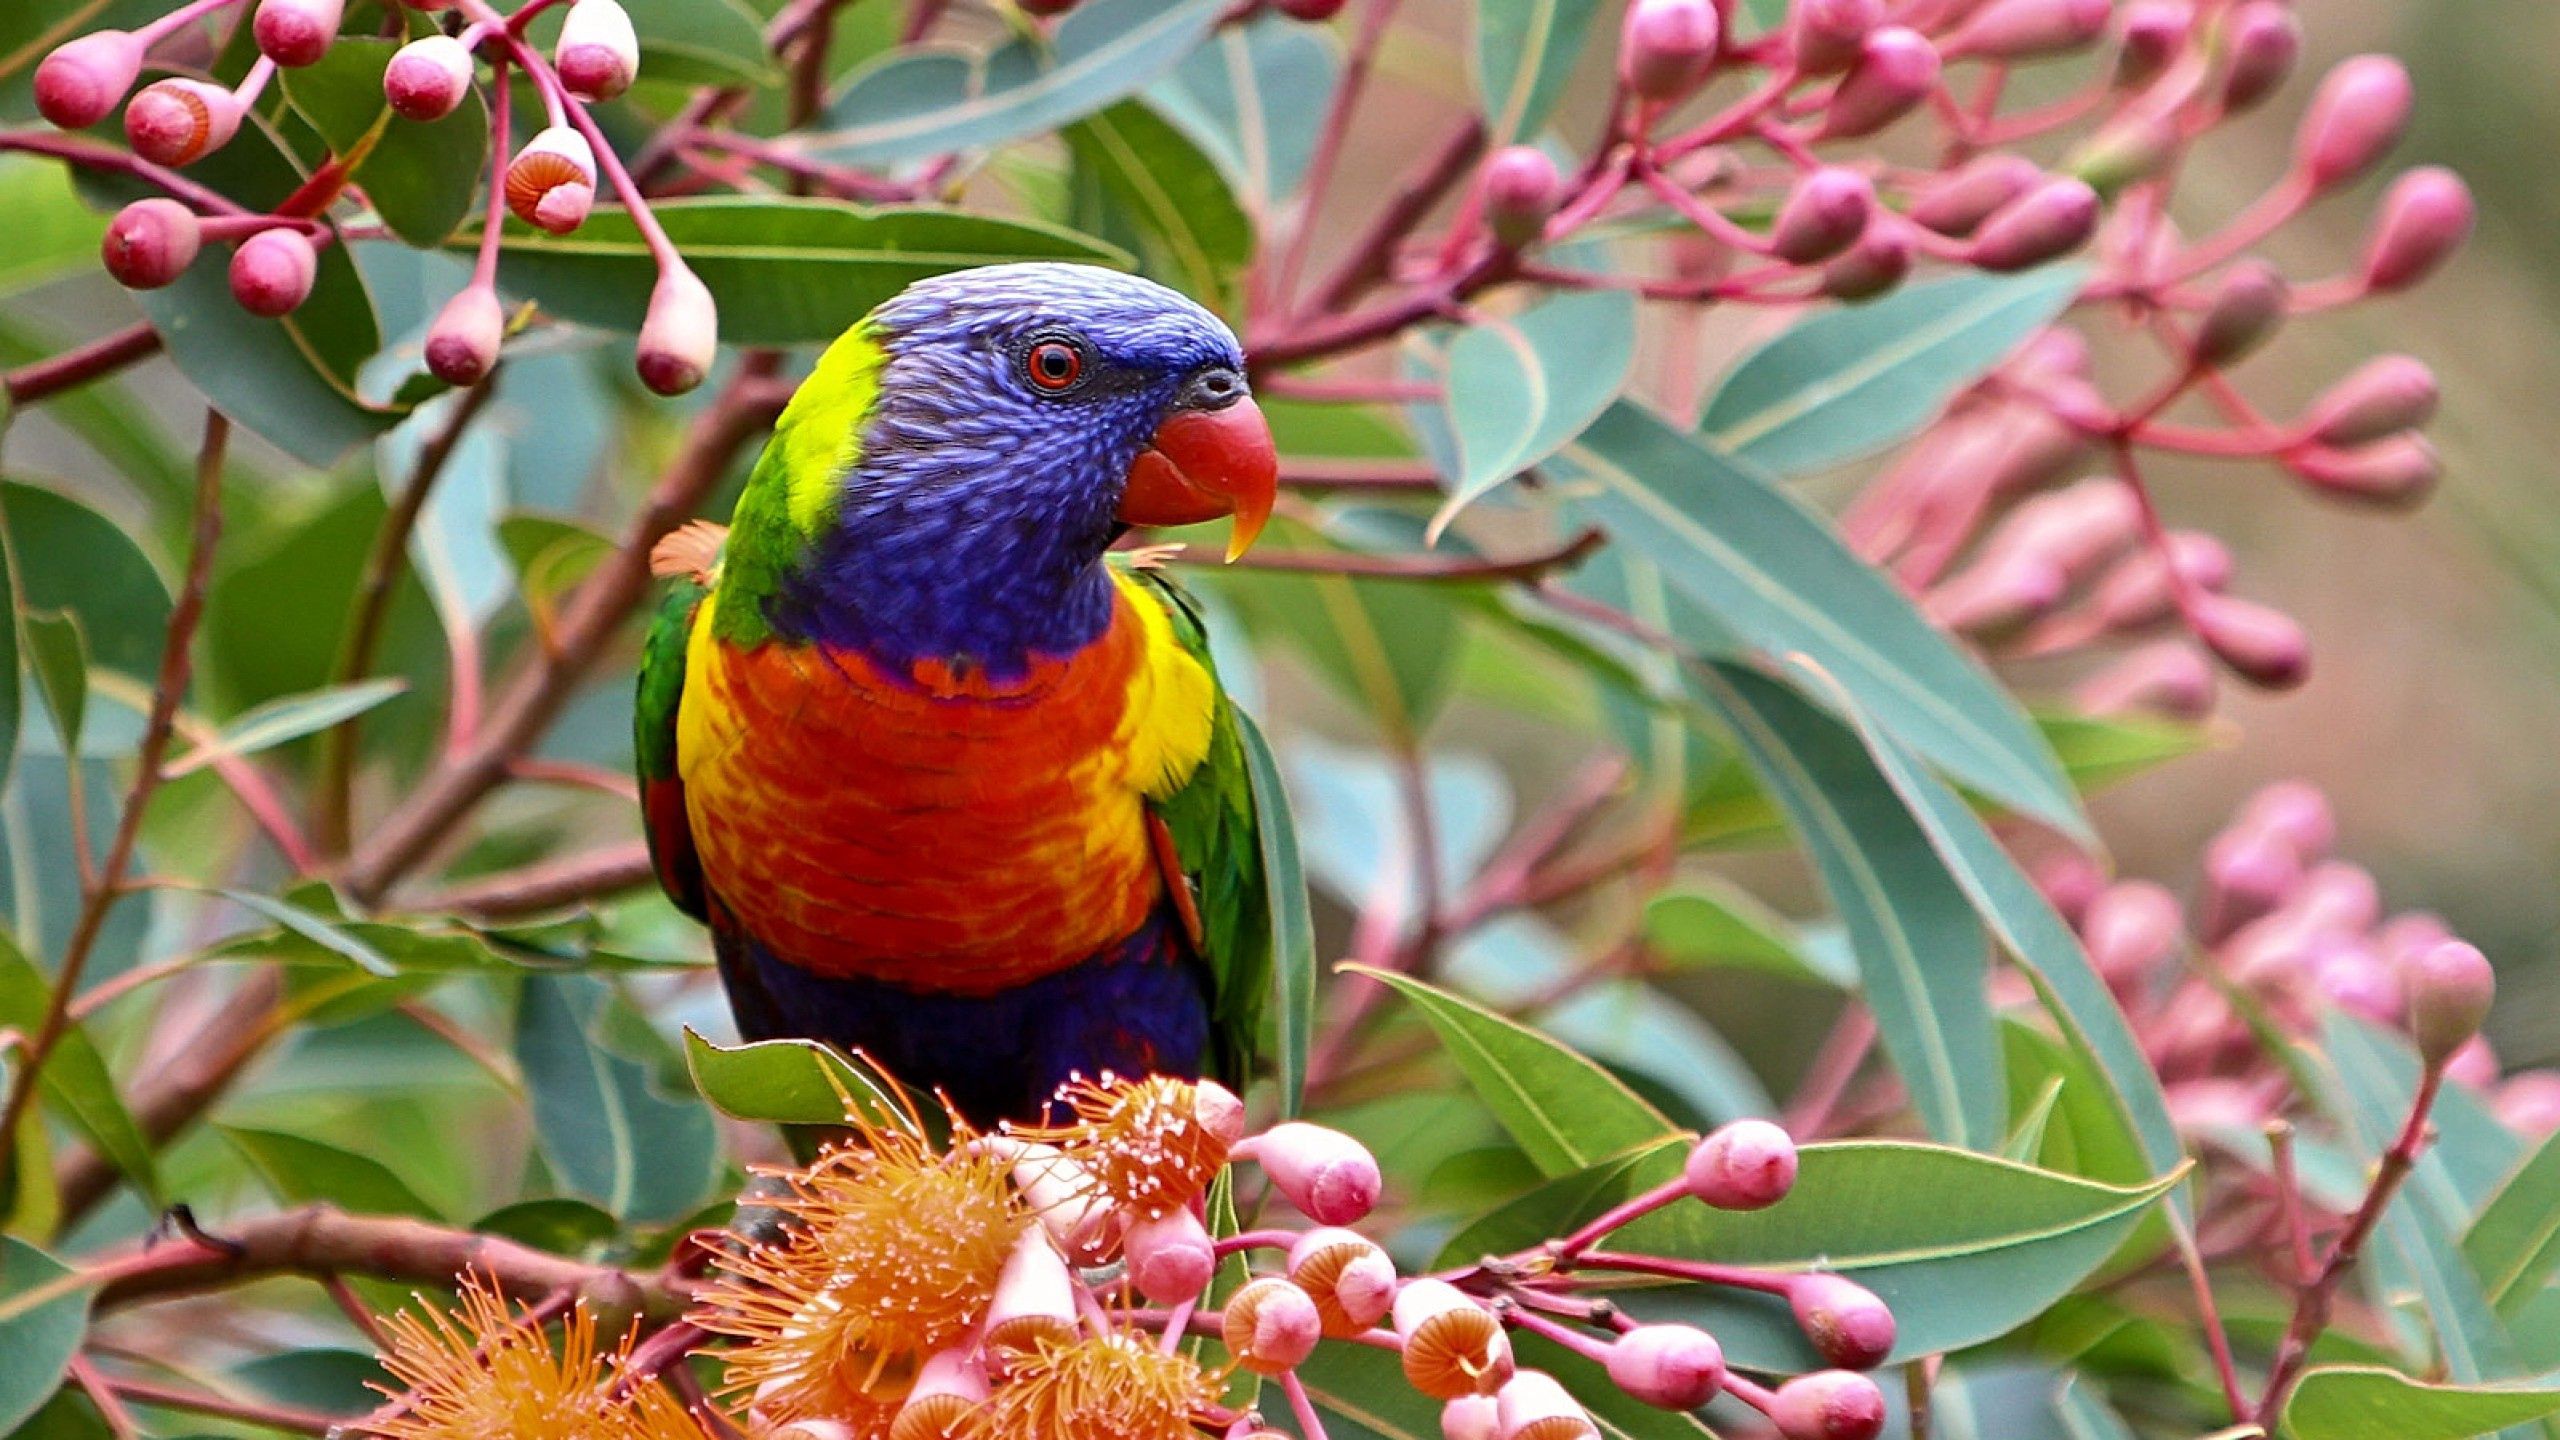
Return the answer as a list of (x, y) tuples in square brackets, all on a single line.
[(1018, 418)]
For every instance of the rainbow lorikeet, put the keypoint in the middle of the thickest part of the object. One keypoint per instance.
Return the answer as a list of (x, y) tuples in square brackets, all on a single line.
[(947, 785)]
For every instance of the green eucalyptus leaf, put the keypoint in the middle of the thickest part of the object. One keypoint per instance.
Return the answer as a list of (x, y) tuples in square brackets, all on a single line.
[(929, 101), (77, 1083), (285, 719), (1854, 379), (303, 1171), (700, 42), (610, 1133), (59, 659), (1566, 1112), (1193, 234), (1293, 930), (2515, 1242), (420, 176), (1520, 389), (1389, 646), (784, 271), (1716, 924), (1254, 98), (72, 559), (291, 380), (790, 1082), (2355, 1402), (51, 233), (1525, 52), (44, 1314), (1765, 573)]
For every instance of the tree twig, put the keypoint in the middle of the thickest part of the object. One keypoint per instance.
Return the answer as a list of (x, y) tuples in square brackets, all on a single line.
[(78, 366), (548, 885)]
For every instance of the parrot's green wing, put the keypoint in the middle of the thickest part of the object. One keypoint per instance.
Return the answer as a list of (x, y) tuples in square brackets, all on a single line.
[(1232, 833), (662, 805)]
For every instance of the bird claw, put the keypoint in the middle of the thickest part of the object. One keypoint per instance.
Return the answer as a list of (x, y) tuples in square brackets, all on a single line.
[(181, 1220), (1152, 557)]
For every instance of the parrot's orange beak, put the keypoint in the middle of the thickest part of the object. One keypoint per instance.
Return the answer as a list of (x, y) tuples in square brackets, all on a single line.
[(1203, 464)]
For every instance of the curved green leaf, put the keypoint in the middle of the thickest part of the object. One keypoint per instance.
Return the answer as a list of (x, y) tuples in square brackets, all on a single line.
[(2515, 1243), (1566, 1112), (76, 1080), (303, 1171), (784, 271), (1521, 389), (1254, 98), (607, 1129), (2358, 1402), (43, 1317), (420, 177), (1525, 51), (72, 559), (931, 102), (50, 232), (1857, 378), (1293, 930), (285, 719), (788, 1082), (1194, 235), (1770, 575)]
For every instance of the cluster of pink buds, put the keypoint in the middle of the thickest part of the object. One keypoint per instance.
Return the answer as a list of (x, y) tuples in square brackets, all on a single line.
[(2281, 921), (550, 182), (1040, 1280)]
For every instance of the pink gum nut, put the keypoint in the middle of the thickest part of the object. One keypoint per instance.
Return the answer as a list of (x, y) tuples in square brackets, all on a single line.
[(681, 334), (1848, 1325), (1880, 260), (1671, 1367), (2132, 928), (1829, 1405), (1352, 1280), (1471, 1417), (1747, 1165), (79, 84), (2425, 216), (462, 344), (2473, 1063), (151, 243), (175, 121), (427, 78), (1453, 1346), (2263, 645), (2079, 528), (272, 272), (2357, 115), (1666, 47), (1532, 1406), (2352, 977), (1520, 190), (297, 32), (2529, 1103), (2166, 677), (2001, 592), (948, 1389), (2136, 592), (1825, 215), (2154, 32), (1828, 34), (1311, 11), (2449, 987), (1959, 201), (1062, 1193), (1170, 1257), (2383, 397), (2265, 41), (551, 183), (2025, 29), (598, 54), (2047, 222), (2395, 472), (2246, 309), (1034, 1300), (2135, 147), (2295, 810), (1218, 1111), (1271, 1326), (1329, 1177), (1895, 70)]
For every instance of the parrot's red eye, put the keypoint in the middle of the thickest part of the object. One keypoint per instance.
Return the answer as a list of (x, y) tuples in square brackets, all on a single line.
[(1054, 365)]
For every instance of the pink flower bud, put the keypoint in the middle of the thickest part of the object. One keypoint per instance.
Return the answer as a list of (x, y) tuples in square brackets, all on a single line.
[(2001, 592), (1896, 69), (2474, 1064), (2350, 976), (2043, 224), (2425, 217), (681, 334), (427, 79), (2166, 677), (2294, 811), (1848, 1325), (1880, 261), (2394, 472), (272, 272), (1960, 200), (2529, 1103), (2068, 881), (1312, 11), (1172, 1257), (1828, 34), (1532, 1406), (79, 84), (2023, 29), (2154, 32), (1270, 1326), (2384, 396), (2355, 118), (1352, 1280), (1471, 1417), (1035, 1299), (2409, 934), (1079, 1218), (2249, 872), (174, 121), (2449, 989), (2077, 528), (297, 32), (948, 1389), (2339, 897), (598, 53), (462, 345), (2265, 43), (1453, 1346), (1520, 190), (151, 243), (1667, 47), (2135, 147), (1331, 1178), (551, 184), (1672, 1367), (2132, 928), (1829, 1405), (2137, 592), (1046, 7), (1218, 1112), (1825, 214), (2262, 645), (1746, 1165), (2247, 307)]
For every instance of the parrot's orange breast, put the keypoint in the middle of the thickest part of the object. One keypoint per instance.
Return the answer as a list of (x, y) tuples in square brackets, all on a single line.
[(930, 827)]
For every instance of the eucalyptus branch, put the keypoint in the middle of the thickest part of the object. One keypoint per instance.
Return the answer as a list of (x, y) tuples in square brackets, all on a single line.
[(1412, 567), (113, 351), (548, 885)]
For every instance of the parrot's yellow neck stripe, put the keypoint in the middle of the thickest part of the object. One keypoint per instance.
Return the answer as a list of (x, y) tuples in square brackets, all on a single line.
[(820, 432)]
